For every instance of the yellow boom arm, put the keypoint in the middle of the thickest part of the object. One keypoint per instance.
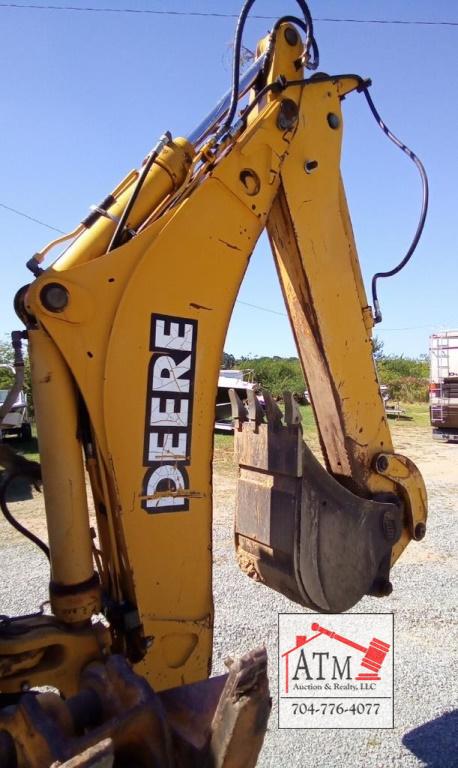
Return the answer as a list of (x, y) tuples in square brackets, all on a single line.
[(126, 332)]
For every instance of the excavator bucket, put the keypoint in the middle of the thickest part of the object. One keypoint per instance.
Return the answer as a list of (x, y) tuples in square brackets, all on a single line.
[(297, 529), (116, 719)]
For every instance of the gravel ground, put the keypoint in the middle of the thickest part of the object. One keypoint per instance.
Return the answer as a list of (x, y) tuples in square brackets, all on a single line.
[(424, 603)]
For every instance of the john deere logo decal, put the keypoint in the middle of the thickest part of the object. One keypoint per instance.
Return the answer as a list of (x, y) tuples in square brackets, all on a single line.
[(167, 448)]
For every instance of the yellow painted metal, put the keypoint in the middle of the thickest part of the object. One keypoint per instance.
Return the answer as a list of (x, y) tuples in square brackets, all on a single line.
[(402, 471), (189, 264), (284, 59), (43, 652), (325, 279), (64, 485), (40, 255), (166, 175), (312, 240), (145, 327)]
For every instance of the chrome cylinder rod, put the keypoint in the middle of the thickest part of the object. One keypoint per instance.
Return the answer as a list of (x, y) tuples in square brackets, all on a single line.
[(211, 121)]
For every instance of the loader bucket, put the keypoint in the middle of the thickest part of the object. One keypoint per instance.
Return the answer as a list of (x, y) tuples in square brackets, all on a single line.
[(117, 721), (297, 529)]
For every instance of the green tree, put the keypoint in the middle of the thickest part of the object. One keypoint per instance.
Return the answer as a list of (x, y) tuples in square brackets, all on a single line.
[(406, 377), (275, 374), (377, 348), (228, 360), (6, 357)]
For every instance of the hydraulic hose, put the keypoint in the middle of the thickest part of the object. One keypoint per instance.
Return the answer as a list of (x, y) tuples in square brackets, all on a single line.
[(4, 483), (307, 25), (424, 206), (116, 240)]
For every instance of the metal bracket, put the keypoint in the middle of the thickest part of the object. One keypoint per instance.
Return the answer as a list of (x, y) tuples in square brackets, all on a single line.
[(406, 475), (38, 650)]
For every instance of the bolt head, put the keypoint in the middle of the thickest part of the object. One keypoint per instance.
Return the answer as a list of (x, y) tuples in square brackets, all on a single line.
[(381, 463), (420, 531), (54, 297), (333, 120), (291, 36), (288, 114)]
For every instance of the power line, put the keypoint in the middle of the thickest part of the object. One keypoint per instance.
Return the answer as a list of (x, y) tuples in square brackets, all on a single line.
[(263, 309), (409, 328), (31, 218), (283, 314), (239, 301), (216, 15)]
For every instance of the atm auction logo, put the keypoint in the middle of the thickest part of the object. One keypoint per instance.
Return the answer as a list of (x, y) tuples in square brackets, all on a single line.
[(372, 657), (335, 670)]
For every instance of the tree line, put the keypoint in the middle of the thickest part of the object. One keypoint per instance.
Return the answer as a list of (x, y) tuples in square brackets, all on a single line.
[(406, 377)]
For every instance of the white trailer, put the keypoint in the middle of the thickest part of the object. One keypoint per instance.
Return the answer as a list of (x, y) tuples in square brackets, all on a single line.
[(228, 379), (443, 390), (14, 415)]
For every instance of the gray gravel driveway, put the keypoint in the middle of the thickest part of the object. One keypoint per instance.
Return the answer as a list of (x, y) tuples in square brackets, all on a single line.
[(424, 603)]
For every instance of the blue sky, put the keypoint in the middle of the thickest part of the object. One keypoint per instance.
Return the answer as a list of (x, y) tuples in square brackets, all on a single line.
[(83, 96)]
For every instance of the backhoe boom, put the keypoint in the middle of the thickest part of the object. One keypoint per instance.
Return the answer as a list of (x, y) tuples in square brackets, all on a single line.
[(148, 285)]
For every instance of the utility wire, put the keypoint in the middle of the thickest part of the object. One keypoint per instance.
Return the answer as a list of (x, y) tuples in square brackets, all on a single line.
[(239, 301), (283, 314), (409, 328), (263, 309), (31, 218), (215, 14)]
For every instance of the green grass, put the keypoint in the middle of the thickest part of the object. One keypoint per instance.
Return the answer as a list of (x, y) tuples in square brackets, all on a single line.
[(28, 448), (224, 444), (419, 412), (308, 419), (222, 441)]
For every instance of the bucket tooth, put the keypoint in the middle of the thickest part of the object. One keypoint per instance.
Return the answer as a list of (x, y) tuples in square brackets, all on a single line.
[(240, 720), (273, 412), (239, 411), (255, 411), (292, 413)]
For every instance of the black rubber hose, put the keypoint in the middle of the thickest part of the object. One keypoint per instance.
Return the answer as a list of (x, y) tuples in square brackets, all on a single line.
[(12, 520), (310, 42), (116, 240), (424, 206), (281, 85), (237, 50)]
